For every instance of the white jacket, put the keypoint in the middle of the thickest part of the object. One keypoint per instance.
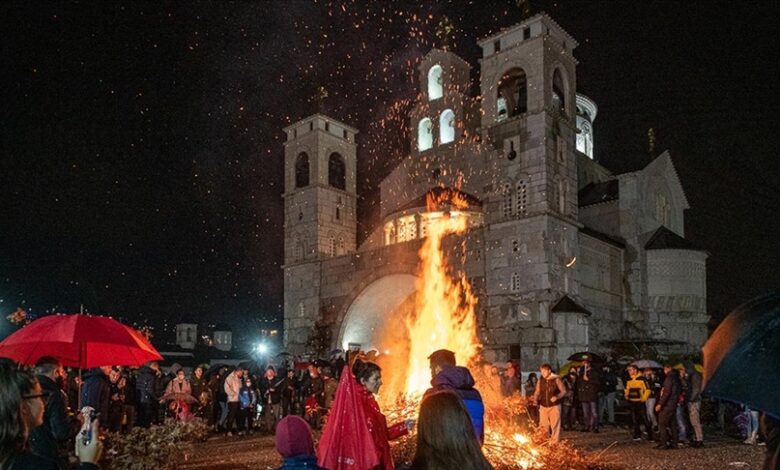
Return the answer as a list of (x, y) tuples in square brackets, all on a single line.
[(232, 387)]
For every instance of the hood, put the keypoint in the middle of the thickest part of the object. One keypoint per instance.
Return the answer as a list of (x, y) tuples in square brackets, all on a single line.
[(454, 377), (293, 437)]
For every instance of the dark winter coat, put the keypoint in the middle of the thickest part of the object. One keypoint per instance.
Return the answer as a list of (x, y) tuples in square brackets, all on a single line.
[(145, 385), (670, 392), (271, 390), (198, 385), (694, 382), (317, 388), (588, 390), (289, 387), (97, 393), (459, 380), (49, 439)]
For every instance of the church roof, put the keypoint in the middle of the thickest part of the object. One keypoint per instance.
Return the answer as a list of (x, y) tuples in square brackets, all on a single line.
[(665, 239), (437, 192), (595, 193), (567, 305)]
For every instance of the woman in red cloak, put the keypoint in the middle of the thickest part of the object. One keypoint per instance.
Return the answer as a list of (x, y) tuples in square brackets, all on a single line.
[(369, 376)]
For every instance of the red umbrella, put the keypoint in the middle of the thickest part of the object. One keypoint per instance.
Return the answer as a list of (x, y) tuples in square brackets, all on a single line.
[(79, 341)]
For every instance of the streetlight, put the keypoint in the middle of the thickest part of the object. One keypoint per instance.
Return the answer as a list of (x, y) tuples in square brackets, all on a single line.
[(261, 348)]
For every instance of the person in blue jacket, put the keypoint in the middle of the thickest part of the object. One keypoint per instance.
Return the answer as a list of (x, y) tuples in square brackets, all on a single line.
[(448, 376)]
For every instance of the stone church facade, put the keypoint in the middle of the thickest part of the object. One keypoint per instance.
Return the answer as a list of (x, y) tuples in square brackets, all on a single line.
[(563, 254)]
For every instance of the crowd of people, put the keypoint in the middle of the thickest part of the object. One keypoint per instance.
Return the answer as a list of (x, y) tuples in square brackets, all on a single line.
[(45, 430)]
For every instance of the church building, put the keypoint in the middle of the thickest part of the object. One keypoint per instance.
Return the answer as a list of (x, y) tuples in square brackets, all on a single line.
[(563, 255)]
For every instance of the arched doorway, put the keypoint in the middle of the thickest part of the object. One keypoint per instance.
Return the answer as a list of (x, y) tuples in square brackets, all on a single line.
[(378, 311)]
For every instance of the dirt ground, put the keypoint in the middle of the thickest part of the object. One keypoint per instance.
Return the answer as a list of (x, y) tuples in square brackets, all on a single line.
[(613, 446)]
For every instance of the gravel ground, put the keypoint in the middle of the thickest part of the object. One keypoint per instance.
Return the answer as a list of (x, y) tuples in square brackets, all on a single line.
[(617, 448), (614, 447)]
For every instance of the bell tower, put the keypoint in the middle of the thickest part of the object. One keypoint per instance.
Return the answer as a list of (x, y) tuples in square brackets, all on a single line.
[(528, 88), (320, 194)]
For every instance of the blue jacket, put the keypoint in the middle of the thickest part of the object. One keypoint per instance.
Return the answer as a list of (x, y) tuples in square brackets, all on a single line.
[(459, 380), (300, 462), (96, 393), (247, 397)]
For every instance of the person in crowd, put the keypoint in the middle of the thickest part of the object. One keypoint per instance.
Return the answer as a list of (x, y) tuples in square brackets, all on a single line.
[(179, 387), (446, 375), (655, 393), (295, 444), (588, 386), (752, 426), (74, 389), (329, 386), (694, 403), (218, 403), (199, 387), (127, 384), (315, 398), (666, 409), (178, 395), (289, 391), (607, 395), (548, 395), (145, 386), (445, 436), (247, 398), (569, 419), (682, 410), (116, 405), (369, 379), (22, 409), (50, 439), (271, 390), (530, 386), (636, 394), (96, 391), (510, 382), (232, 388)]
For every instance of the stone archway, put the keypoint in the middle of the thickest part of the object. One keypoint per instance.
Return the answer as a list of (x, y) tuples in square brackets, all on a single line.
[(383, 303)]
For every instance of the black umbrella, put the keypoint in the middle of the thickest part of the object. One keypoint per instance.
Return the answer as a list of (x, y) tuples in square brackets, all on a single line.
[(586, 356), (283, 353), (740, 358)]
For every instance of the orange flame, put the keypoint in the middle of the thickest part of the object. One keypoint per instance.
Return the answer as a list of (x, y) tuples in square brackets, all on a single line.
[(445, 306)]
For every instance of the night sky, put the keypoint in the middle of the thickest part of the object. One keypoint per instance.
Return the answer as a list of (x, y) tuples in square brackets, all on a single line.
[(141, 155)]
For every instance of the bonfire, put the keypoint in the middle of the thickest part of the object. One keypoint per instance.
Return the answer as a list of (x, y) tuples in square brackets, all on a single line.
[(445, 318)]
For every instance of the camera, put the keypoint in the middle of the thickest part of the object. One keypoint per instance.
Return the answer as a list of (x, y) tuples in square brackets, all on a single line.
[(87, 429)]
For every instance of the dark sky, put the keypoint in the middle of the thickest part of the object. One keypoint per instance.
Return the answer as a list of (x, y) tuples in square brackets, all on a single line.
[(140, 142)]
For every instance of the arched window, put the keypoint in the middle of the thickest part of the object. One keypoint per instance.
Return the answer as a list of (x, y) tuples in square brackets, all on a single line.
[(446, 127), (340, 247), (506, 200), (558, 96), (302, 170), (424, 135), (514, 284), (512, 99), (337, 171), (331, 248), (298, 248), (435, 88), (521, 197)]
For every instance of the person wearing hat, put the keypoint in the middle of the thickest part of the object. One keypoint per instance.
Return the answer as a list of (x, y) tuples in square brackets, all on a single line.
[(295, 444), (445, 375)]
